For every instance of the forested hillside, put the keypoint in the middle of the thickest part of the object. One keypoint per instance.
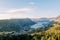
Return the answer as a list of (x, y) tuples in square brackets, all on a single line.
[(49, 31), (18, 25), (53, 33)]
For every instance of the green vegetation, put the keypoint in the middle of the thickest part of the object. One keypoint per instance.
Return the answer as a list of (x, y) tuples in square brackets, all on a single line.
[(15, 25), (53, 33), (9, 28)]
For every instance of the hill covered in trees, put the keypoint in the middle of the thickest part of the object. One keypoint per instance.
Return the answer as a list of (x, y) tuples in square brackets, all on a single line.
[(49, 31), (53, 33), (18, 25)]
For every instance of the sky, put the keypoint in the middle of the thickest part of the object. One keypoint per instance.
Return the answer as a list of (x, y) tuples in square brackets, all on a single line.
[(29, 8)]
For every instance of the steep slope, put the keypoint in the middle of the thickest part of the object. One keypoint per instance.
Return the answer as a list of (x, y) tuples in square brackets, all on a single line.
[(55, 28), (53, 33)]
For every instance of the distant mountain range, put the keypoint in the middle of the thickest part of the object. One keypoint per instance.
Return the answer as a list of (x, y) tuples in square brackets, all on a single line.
[(26, 25)]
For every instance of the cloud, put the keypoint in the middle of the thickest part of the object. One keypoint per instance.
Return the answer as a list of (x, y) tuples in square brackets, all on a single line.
[(16, 13), (5, 16), (31, 3), (19, 10)]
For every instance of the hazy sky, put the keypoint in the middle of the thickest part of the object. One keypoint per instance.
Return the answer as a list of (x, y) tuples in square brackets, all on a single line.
[(29, 8)]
